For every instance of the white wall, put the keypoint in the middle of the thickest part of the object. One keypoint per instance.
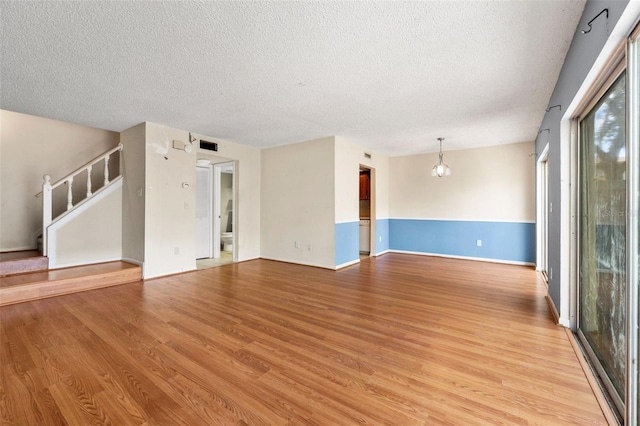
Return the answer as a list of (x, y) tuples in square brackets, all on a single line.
[(170, 222), (487, 184), (159, 226), (133, 206), (298, 202), (247, 192), (29, 148), (92, 235), (348, 159)]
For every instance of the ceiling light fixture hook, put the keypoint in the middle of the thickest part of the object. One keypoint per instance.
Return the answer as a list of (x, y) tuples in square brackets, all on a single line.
[(605, 10), (555, 106)]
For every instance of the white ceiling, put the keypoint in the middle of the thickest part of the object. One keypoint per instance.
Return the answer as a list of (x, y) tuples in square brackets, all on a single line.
[(390, 76)]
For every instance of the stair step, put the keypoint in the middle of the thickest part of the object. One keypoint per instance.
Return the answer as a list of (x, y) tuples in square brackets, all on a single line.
[(18, 262), (39, 285)]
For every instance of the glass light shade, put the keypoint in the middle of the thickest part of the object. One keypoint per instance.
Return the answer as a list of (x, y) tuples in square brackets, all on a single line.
[(440, 170)]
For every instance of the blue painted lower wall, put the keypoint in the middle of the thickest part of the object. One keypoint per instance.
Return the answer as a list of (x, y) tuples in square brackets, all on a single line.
[(382, 235), (347, 242), (504, 241)]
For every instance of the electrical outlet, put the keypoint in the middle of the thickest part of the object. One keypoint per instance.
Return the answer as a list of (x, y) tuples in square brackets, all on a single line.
[(380, 239), (176, 250), (550, 273), (186, 206), (297, 244), (479, 243), (309, 248)]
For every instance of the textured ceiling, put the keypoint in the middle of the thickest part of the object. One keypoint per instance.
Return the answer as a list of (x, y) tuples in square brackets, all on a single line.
[(390, 76)]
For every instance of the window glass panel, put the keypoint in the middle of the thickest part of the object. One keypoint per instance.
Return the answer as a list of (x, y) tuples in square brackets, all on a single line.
[(602, 292)]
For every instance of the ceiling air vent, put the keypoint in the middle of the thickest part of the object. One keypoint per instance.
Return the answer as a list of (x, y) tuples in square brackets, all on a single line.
[(209, 146), (367, 156)]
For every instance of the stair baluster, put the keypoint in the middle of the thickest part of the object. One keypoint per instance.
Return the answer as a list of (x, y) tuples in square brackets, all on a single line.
[(106, 170), (89, 169), (70, 193), (48, 187)]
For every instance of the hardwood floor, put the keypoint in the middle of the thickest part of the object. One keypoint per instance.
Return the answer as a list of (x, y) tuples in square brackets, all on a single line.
[(396, 340)]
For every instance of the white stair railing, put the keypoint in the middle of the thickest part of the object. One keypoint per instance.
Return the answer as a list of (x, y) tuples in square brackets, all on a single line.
[(48, 187)]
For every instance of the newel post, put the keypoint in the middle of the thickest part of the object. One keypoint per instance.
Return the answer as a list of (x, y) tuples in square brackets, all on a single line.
[(46, 211)]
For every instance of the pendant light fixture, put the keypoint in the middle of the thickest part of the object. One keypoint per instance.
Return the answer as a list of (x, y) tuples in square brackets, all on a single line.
[(441, 169)]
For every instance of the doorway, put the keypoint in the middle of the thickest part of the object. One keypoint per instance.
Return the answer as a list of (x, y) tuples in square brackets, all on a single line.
[(367, 211), (215, 227), (543, 208)]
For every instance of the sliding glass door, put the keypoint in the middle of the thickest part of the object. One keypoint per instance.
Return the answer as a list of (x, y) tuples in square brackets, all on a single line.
[(602, 247)]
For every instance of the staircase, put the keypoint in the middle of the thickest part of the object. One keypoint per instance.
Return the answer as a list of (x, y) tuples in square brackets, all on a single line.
[(17, 262), (30, 275), (24, 276)]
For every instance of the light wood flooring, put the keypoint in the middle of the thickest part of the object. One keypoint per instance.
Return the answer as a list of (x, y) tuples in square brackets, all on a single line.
[(395, 340)]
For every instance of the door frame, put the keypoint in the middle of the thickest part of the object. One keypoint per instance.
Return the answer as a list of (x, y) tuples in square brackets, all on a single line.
[(217, 172), (542, 212), (209, 169), (606, 80), (372, 207), (633, 227)]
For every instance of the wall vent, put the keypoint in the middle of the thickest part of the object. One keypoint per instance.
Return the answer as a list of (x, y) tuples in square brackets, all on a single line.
[(367, 155), (209, 146)]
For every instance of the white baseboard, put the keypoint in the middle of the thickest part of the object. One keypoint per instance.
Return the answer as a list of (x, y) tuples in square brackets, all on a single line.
[(451, 256), (247, 259), (19, 248), (344, 265), (381, 253), (297, 262)]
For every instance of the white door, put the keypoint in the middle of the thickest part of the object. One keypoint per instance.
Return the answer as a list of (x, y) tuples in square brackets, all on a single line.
[(204, 220)]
